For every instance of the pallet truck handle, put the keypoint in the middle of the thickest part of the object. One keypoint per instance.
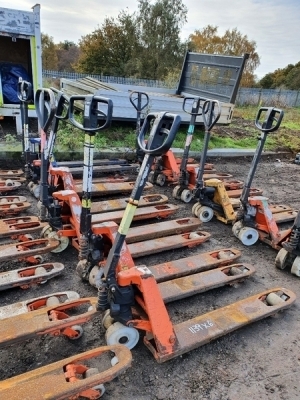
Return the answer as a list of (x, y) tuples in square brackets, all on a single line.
[(45, 98), (211, 113), (139, 106), (24, 90), (270, 117), (195, 107), (62, 104), (160, 138), (91, 108)]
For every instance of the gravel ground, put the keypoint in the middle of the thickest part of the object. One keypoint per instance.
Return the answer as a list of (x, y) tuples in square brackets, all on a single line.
[(259, 361)]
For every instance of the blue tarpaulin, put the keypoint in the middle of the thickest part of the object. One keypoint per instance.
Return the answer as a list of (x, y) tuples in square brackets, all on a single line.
[(10, 74)]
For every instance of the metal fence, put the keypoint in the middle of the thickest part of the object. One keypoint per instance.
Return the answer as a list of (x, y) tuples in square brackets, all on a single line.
[(246, 96)]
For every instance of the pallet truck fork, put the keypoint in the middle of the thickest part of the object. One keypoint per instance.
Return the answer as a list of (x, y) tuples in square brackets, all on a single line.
[(8, 185), (254, 219), (29, 276), (76, 377), (63, 319), (12, 207), (29, 250), (132, 299), (25, 306), (19, 226), (289, 254)]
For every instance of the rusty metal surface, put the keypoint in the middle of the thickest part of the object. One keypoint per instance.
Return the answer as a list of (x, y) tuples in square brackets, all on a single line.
[(13, 208), (162, 211), (12, 199), (26, 277), (216, 176), (120, 204), (158, 245), (275, 208), (285, 216), (20, 225), (4, 187), (110, 188), (159, 229), (52, 383), (15, 179), (204, 328), (236, 193), (104, 169), (198, 263), (190, 285), (24, 249), (29, 305), (10, 173), (22, 327)]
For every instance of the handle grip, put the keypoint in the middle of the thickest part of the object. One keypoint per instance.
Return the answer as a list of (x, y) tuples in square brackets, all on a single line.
[(24, 90), (211, 113), (45, 98), (195, 106), (91, 112), (139, 106), (162, 134), (270, 117)]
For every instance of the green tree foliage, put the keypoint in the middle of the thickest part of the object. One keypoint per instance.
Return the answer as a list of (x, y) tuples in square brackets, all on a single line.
[(145, 44), (159, 27), (49, 56), (67, 55), (111, 49), (232, 43), (285, 78)]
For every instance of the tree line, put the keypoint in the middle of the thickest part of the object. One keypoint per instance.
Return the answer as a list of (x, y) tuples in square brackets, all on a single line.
[(147, 44)]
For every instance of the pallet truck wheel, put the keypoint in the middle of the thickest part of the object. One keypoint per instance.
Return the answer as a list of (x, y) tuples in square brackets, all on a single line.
[(118, 333), (225, 255), (273, 299), (107, 320), (46, 231), (161, 179), (30, 185), (10, 172), (91, 372), (95, 275), (186, 196), (151, 177), (40, 271), (12, 206), (63, 242), (28, 236), (36, 191), (39, 259), (4, 200), (205, 213), (79, 330), (281, 259), (195, 207), (114, 361), (248, 236), (9, 182), (194, 235), (295, 270), (176, 192), (39, 205), (235, 271), (52, 301)]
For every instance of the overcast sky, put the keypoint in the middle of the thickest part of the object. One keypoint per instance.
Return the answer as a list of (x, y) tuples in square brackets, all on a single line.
[(273, 24)]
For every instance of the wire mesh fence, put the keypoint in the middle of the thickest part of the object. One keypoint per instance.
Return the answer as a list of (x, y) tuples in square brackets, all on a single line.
[(245, 97)]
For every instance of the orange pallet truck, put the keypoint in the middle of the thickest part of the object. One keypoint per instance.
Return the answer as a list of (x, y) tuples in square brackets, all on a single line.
[(133, 300), (93, 234), (78, 377), (255, 219)]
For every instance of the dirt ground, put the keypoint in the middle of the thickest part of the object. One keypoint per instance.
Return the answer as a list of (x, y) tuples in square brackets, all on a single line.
[(259, 362)]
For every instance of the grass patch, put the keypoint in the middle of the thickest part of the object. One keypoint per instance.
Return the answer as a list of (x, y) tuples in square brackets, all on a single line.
[(240, 134)]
